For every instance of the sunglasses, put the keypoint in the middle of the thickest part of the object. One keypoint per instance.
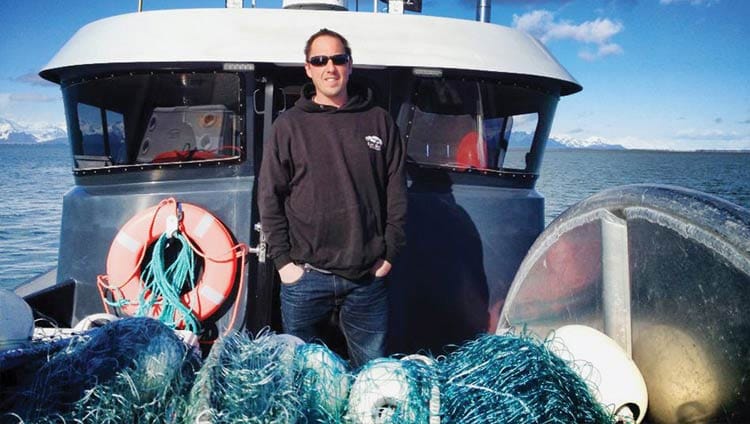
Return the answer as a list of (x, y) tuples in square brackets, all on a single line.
[(338, 59)]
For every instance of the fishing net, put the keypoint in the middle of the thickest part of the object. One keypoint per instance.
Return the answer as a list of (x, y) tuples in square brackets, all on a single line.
[(322, 382), (389, 391), (134, 370), (137, 370), (245, 380), (269, 379), (514, 379)]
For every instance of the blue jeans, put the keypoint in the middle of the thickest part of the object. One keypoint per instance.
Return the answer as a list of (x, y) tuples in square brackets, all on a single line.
[(363, 311)]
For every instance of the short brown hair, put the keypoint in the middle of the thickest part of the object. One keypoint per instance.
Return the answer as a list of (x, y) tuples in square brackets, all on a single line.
[(328, 32)]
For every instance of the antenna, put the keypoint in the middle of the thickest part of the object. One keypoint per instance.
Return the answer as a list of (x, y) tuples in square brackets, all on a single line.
[(483, 10)]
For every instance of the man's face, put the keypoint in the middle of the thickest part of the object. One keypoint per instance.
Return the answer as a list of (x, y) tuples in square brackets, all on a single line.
[(330, 79)]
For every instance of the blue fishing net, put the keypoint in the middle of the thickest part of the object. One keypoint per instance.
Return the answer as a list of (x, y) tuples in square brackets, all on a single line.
[(514, 379), (137, 371), (321, 380), (269, 379), (245, 380), (134, 370)]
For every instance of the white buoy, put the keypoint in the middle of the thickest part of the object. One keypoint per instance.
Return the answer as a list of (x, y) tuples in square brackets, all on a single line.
[(426, 360), (16, 321), (434, 404), (324, 374), (613, 378), (288, 344), (94, 321), (381, 387)]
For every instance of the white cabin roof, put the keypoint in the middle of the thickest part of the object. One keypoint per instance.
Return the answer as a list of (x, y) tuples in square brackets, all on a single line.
[(278, 36)]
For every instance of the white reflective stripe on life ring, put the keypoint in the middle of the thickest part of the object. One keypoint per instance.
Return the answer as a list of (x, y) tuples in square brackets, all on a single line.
[(211, 295), (204, 225), (124, 240)]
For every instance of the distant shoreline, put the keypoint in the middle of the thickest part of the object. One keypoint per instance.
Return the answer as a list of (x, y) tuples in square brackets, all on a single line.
[(575, 149), (56, 142)]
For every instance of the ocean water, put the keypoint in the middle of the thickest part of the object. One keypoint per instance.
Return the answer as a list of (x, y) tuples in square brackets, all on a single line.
[(35, 178), (569, 176)]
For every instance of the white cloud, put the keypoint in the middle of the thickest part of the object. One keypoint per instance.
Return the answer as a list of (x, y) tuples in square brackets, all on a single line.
[(602, 51), (33, 78), (679, 144), (692, 2), (33, 97), (711, 135), (599, 32), (4, 100), (31, 107)]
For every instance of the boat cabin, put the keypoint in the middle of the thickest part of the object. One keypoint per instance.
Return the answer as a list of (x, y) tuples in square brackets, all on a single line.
[(177, 104)]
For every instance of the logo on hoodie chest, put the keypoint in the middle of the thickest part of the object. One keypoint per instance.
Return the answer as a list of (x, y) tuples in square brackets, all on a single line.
[(374, 142)]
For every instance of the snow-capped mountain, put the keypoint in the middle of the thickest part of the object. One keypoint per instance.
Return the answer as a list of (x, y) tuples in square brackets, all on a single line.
[(6, 128), (521, 139), (18, 133), (592, 142)]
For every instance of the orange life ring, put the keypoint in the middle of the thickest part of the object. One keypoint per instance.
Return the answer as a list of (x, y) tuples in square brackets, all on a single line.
[(471, 153), (205, 232)]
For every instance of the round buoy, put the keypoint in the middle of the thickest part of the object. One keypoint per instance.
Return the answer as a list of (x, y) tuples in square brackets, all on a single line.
[(613, 378), (94, 321), (288, 345), (381, 388), (426, 360), (322, 377), (16, 321), (434, 402)]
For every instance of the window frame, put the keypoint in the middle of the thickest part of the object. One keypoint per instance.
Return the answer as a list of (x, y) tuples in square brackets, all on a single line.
[(106, 165), (543, 99)]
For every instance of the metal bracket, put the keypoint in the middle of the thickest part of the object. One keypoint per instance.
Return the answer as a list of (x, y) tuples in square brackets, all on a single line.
[(260, 249), (616, 281)]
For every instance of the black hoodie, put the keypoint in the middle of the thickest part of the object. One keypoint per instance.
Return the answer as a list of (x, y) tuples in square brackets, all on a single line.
[(332, 186)]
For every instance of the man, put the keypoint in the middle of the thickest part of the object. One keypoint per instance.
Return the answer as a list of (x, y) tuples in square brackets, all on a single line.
[(332, 202)]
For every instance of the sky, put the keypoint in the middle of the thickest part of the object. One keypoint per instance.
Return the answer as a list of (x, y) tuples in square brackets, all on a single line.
[(657, 74)]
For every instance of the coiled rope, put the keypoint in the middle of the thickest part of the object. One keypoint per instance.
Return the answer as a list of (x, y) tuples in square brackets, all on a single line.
[(162, 285)]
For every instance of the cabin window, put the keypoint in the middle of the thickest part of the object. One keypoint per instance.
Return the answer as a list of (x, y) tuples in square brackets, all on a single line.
[(519, 134), (100, 146), (472, 124), (154, 119)]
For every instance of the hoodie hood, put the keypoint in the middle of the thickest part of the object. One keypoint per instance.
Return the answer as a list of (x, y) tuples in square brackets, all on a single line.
[(360, 98)]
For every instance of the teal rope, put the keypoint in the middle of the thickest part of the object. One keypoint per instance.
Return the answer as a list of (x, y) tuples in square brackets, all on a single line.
[(164, 285), (117, 303)]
